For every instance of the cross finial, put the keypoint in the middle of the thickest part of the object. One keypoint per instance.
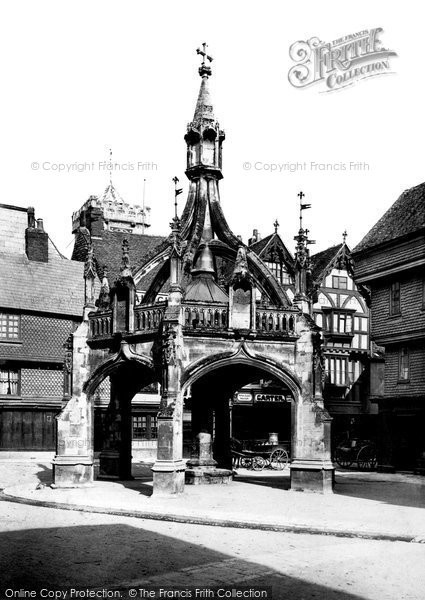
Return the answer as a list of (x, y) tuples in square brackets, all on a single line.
[(276, 225), (301, 196), (344, 236), (204, 69)]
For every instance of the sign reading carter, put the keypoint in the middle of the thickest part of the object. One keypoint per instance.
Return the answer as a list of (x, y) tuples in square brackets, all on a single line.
[(269, 398)]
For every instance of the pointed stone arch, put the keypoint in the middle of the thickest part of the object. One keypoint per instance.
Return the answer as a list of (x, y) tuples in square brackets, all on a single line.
[(125, 356), (242, 356)]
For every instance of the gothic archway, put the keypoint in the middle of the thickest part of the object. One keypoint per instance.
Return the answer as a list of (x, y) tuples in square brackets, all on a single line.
[(110, 390), (216, 383)]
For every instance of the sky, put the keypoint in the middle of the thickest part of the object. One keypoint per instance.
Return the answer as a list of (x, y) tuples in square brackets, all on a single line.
[(80, 77)]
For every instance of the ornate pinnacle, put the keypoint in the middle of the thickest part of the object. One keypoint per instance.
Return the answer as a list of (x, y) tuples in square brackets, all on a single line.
[(105, 282), (89, 266), (125, 269), (204, 69), (104, 300)]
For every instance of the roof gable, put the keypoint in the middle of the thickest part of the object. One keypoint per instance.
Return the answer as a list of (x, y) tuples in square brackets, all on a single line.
[(335, 257), (272, 249)]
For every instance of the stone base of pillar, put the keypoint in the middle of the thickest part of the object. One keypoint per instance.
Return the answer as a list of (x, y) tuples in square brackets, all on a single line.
[(207, 475), (312, 476), (109, 464), (72, 471), (168, 477)]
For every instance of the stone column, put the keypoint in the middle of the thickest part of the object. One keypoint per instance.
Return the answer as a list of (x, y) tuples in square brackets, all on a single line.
[(202, 466), (169, 468), (222, 452), (73, 463), (311, 467), (202, 428), (115, 456)]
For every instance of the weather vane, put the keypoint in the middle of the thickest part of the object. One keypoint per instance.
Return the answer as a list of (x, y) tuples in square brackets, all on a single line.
[(177, 192)]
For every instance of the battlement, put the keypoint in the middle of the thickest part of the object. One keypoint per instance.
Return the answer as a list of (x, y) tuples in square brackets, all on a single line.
[(118, 215)]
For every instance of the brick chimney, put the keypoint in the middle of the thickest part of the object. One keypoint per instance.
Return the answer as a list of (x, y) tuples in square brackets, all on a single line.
[(256, 237), (36, 239)]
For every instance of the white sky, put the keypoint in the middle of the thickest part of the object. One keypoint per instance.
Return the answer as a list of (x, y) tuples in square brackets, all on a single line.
[(81, 76)]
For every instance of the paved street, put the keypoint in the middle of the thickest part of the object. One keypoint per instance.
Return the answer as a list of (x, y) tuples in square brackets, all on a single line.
[(58, 550), (55, 549)]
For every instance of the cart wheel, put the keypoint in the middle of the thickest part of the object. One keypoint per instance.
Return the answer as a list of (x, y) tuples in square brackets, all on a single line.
[(258, 463), (279, 458), (366, 459), (343, 458), (246, 463)]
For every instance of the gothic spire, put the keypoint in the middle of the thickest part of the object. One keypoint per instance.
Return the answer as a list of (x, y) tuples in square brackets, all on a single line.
[(204, 107)]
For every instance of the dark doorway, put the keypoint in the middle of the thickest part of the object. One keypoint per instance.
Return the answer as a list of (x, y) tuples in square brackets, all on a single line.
[(243, 402)]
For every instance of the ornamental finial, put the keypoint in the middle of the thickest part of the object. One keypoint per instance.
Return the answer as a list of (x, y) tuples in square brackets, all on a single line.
[(344, 236), (204, 69), (276, 225), (125, 269)]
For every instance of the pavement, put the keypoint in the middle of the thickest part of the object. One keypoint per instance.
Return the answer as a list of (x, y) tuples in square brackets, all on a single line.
[(366, 505)]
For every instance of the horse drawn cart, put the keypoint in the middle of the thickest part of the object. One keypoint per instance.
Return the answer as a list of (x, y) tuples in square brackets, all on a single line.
[(361, 452), (259, 454)]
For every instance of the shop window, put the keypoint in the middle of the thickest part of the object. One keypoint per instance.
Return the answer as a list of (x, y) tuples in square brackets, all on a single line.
[(338, 371), (9, 382), (395, 298), (145, 427), (404, 367), (10, 326)]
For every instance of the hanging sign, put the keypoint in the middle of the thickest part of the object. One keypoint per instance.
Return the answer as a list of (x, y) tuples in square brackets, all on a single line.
[(244, 397)]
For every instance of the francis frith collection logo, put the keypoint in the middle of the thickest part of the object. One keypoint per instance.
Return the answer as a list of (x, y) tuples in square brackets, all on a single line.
[(340, 63)]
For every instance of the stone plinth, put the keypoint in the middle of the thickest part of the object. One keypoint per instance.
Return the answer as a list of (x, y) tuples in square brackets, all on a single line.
[(202, 468), (207, 475), (168, 477), (72, 471), (109, 464), (312, 476)]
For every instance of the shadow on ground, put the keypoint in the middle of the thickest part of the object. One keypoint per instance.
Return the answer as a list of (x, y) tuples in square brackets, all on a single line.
[(121, 556), (387, 492)]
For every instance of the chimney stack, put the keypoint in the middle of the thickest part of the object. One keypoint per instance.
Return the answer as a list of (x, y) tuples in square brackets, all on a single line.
[(256, 237), (36, 239)]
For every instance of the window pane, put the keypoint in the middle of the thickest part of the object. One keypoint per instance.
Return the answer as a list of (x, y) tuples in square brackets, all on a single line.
[(9, 326), (395, 298), (404, 363), (9, 382)]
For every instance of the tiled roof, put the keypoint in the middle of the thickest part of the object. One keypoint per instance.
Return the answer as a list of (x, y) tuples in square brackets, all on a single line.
[(321, 260), (108, 251), (405, 216), (204, 289), (259, 246), (55, 287)]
